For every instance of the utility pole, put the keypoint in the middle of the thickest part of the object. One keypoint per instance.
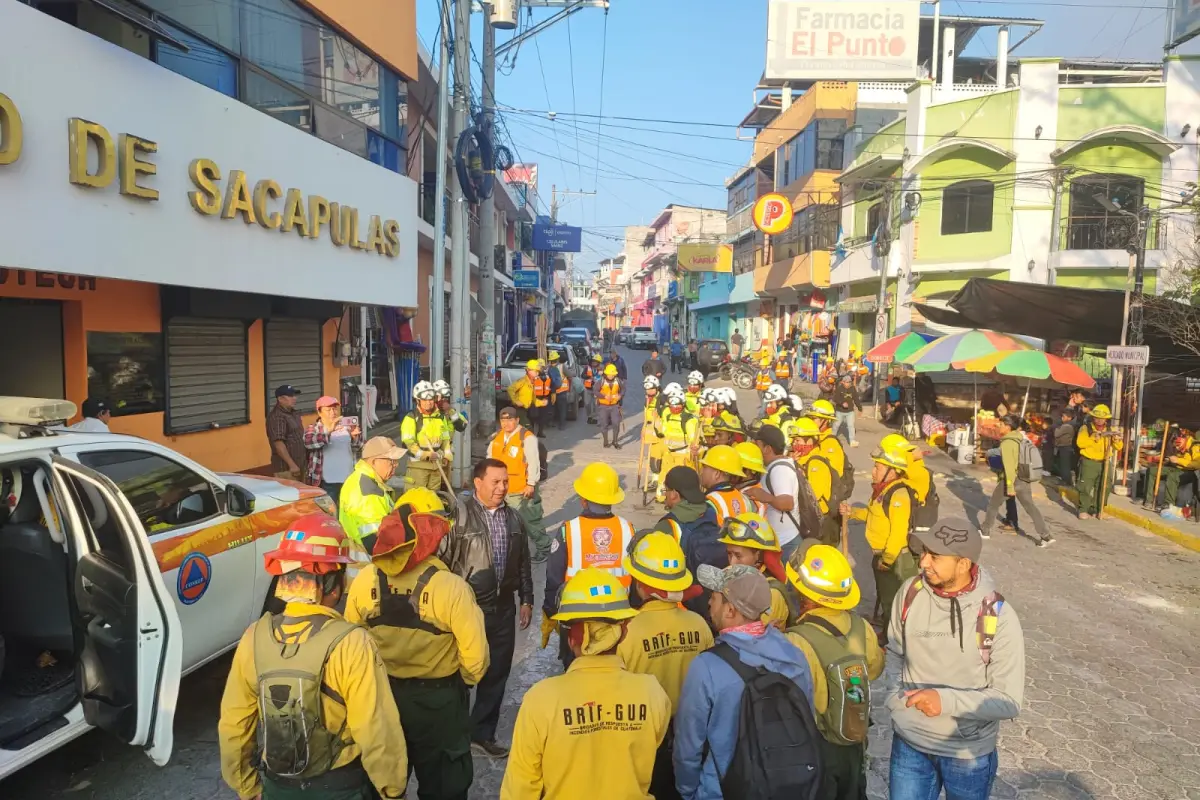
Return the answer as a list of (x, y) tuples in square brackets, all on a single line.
[(1135, 336), (460, 280), (883, 248), (487, 239), (437, 317)]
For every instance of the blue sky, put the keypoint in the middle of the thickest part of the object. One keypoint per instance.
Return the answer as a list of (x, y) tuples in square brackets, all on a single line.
[(698, 61)]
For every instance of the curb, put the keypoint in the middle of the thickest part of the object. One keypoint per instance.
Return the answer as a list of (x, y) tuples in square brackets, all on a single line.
[(1188, 540)]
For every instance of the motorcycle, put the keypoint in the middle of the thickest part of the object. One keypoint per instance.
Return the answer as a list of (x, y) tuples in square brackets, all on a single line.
[(740, 373)]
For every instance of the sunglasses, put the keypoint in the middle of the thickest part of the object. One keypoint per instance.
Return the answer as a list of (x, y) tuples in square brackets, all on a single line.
[(740, 531)]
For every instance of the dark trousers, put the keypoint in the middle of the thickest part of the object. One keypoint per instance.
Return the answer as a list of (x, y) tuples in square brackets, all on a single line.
[(334, 490), (500, 624), (1023, 491), (1065, 458), (662, 779), (436, 722), (560, 409), (349, 782), (538, 417), (889, 581), (843, 772)]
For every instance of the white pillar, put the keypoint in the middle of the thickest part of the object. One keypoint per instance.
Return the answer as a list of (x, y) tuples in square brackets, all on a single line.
[(1002, 57), (786, 98), (948, 57)]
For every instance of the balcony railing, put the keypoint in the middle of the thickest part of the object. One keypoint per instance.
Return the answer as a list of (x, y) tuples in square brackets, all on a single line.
[(1110, 232)]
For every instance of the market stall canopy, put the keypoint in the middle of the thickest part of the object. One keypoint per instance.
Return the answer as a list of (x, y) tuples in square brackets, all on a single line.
[(954, 350), (1051, 313), (1032, 365), (899, 348)]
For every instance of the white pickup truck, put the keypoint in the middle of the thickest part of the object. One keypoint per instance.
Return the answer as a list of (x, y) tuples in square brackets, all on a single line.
[(520, 354), (643, 338)]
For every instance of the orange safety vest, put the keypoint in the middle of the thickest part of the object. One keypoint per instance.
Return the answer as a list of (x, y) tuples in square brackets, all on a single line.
[(764, 380), (610, 393), (564, 382), (588, 378), (728, 503), (510, 448), (783, 368), (598, 542), (541, 391)]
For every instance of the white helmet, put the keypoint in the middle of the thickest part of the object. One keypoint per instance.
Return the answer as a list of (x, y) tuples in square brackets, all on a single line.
[(726, 395), (709, 396), (424, 391), (695, 377), (797, 402), (673, 388), (650, 382), (675, 398), (775, 394), (442, 388)]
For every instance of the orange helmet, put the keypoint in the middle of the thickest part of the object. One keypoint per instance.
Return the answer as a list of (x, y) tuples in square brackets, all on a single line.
[(313, 543)]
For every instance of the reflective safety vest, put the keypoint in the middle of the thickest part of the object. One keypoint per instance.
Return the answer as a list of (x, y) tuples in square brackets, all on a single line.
[(589, 378), (564, 381), (728, 503), (598, 542), (676, 529), (510, 448), (679, 430), (541, 390), (610, 392), (763, 381), (691, 400), (783, 368), (425, 432)]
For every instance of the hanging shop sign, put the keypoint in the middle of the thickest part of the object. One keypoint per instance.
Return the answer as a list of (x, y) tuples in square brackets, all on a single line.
[(773, 214), (548, 236), (527, 278), (1119, 355), (705, 257), (843, 40)]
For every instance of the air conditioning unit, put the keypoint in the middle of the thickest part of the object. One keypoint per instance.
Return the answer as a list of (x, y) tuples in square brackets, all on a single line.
[(504, 14)]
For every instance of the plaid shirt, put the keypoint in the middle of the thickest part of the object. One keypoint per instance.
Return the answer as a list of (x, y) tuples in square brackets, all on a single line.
[(285, 426), (498, 528), (315, 439)]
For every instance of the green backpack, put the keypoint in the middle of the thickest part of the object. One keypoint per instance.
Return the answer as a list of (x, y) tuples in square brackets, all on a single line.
[(293, 741), (843, 656)]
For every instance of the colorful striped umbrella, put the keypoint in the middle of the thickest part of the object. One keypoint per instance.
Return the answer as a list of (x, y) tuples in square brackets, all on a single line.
[(1034, 365), (899, 348), (954, 350)]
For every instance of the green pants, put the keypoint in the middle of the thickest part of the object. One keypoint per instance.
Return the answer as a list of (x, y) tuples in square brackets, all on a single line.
[(889, 581), (344, 783), (529, 509), (1089, 486), (844, 772), (831, 529), (435, 715), (1171, 478), (422, 473)]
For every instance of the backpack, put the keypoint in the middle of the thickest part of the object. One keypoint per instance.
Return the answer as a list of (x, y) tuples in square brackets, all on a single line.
[(293, 741), (843, 657), (985, 623), (1029, 465), (777, 755), (807, 507), (700, 546), (921, 516), (843, 484)]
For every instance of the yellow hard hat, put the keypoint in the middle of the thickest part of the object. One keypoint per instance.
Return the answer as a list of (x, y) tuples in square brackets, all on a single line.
[(894, 441), (1102, 412), (766, 361), (593, 594), (599, 483), (821, 409), (751, 455), (533, 364), (553, 356), (823, 574), (724, 458), (422, 500), (891, 458), (610, 370), (805, 427), (657, 560), (749, 530)]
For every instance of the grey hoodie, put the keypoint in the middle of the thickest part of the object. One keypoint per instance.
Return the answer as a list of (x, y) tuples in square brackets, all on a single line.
[(941, 651)]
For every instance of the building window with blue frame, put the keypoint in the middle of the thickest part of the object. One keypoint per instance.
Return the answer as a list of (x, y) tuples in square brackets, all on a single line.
[(201, 62)]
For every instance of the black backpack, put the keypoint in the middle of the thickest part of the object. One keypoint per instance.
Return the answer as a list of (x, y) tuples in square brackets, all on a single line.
[(777, 755), (700, 546), (921, 516)]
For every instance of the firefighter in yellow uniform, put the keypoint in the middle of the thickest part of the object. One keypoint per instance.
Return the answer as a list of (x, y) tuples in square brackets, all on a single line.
[(594, 730), (719, 469), (695, 385), (650, 442), (426, 434), (752, 464), (917, 475), (822, 412), (749, 539), (679, 431), (521, 392), (816, 467), (835, 641), (709, 411), (336, 732), (889, 521), (1183, 464), (1096, 442), (366, 498), (543, 395), (430, 632), (664, 638), (777, 409)]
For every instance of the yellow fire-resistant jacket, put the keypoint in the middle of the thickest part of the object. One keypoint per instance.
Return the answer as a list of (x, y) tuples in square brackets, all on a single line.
[(832, 449), (520, 392), (1189, 457), (918, 477), (1093, 445), (816, 467), (426, 433), (661, 641), (840, 620), (354, 673), (887, 528), (591, 732), (364, 501), (447, 604), (779, 611)]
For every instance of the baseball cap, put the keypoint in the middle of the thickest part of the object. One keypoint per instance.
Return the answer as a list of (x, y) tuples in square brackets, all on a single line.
[(326, 401), (949, 537), (685, 481), (742, 585), (382, 447), (772, 437), (93, 407), (287, 390), (508, 412)]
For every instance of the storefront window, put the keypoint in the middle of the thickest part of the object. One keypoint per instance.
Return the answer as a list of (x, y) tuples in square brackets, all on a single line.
[(126, 370)]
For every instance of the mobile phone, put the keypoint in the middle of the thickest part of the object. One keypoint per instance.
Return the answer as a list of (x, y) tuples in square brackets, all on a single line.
[(352, 422)]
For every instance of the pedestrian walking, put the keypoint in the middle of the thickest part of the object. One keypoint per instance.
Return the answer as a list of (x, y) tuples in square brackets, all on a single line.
[(654, 366), (708, 730), (846, 402), (431, 635), (779, 489), (953, 631), (96, 416), (596, 538), (593, 731), (338, 735), (676, 354), (719, 469), (333, 442), (693, 355), (661, 583), (750, 540), (1016, 480), (285, 432), (617, 361), (1096, 443), (427, 435), (591, 374), (366, 498), (560, 389), (518, 450), (489, 547), (609, 392), (736, 342), (843, 656)]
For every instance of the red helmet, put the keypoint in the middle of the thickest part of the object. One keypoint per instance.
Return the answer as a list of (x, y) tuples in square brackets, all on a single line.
[(313, 543)]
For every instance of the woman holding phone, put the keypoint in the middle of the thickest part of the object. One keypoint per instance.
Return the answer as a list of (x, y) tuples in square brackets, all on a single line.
[(333, 443)]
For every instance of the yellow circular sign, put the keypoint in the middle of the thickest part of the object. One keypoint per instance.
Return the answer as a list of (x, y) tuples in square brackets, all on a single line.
[(772, 214)]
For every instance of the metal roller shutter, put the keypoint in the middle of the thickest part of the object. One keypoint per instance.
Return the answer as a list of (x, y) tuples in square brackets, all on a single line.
[(293, 356), (206, 374)]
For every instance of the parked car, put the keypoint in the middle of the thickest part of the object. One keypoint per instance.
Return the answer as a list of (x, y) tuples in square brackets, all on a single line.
[(643, 338), (710, 353), (522, 353), (129, 565), (624, 335), (575, 335)]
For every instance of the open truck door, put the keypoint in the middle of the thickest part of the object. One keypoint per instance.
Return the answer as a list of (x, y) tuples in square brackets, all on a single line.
[(132, 655)]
